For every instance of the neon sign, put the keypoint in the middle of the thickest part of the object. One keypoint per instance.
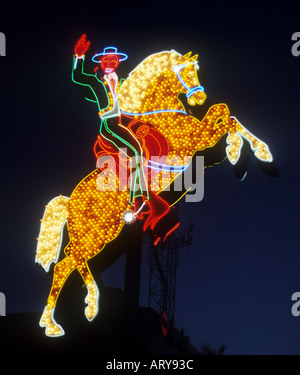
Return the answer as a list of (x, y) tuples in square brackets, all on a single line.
[(140, 118)]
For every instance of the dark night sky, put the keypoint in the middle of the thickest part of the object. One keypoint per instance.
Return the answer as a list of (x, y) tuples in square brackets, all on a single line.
[(235, 284)]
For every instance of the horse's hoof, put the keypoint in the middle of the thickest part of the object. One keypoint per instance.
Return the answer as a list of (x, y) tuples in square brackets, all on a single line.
[(263, 153), (233, 149), (92, 300), (90, 312), (47, 320), (54, 330)]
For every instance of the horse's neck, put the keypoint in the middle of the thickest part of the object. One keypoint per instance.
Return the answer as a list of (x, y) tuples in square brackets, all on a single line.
[(161, 100), (164, 105), (156, 91)]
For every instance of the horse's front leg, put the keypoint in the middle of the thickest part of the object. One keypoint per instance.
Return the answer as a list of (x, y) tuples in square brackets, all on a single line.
[(261, 149), (215, 124), (218, 121), (233, 150)]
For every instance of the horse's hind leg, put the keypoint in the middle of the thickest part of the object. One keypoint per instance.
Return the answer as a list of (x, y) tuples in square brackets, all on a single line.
[(261, 149), (92, 297), (61, 272)]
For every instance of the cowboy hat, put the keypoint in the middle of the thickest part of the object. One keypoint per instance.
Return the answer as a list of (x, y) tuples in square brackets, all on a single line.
[(109, 51)]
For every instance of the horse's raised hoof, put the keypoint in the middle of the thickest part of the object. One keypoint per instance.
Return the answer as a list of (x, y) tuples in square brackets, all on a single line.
[(47, 320), (263, 153), (233, 149), (92, 300)]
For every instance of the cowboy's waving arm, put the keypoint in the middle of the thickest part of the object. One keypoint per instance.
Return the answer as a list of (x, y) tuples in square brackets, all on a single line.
[(94, 89)]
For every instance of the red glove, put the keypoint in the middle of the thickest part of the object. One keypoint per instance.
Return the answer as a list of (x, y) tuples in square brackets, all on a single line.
[(81, 46)]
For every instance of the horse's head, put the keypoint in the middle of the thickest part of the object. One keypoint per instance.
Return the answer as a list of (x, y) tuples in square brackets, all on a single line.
[(186, 73), (155, 83)]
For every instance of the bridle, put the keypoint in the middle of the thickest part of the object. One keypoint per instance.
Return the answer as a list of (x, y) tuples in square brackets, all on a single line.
[(176, 69)]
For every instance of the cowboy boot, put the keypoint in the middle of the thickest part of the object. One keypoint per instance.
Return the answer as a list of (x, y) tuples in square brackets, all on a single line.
[(166, 225), (158, 209)]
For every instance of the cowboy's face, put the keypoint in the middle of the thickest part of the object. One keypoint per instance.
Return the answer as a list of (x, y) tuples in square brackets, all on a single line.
[(109, 63)]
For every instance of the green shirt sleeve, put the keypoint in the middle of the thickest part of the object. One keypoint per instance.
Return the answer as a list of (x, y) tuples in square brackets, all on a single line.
[(93, 88)]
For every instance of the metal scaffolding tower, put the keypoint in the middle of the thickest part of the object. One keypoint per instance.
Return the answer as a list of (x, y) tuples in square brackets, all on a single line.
[(163, 262)]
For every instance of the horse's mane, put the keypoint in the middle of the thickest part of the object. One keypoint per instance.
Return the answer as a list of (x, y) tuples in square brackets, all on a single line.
[(144, 84)]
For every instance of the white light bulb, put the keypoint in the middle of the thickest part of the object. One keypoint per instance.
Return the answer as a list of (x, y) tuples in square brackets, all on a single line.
[(128, 217)]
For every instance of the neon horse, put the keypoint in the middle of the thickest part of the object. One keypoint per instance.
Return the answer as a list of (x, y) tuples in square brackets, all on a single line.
[(94, 216)]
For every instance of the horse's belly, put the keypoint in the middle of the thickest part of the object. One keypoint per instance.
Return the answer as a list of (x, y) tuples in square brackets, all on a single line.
[(179, 130), (186, 134)]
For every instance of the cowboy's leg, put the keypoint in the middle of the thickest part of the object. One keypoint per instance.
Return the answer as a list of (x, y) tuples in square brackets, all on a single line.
[(122, 138), (158, 206)]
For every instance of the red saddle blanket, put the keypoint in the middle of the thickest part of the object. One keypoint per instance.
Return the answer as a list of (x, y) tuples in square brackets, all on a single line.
[(153, 143)]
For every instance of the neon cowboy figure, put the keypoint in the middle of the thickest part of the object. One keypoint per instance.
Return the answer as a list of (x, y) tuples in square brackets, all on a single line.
[(110, 128)]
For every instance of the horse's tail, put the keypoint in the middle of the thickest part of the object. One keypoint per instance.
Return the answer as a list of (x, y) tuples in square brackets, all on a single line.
[(49, 240)]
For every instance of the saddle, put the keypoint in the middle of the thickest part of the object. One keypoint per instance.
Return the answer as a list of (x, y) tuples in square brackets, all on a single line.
[(153, 142)]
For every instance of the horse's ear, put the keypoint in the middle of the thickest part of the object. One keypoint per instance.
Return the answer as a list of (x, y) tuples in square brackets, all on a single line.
[(193, 58), (187, 56)]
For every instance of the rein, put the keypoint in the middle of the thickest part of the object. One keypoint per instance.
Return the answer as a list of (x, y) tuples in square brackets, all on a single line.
[(153, 112)]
